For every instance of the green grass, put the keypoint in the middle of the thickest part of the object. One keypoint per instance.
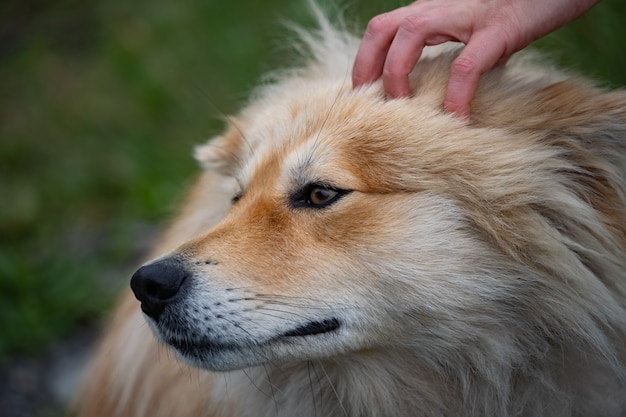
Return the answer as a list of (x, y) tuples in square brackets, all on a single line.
[(100, 106)]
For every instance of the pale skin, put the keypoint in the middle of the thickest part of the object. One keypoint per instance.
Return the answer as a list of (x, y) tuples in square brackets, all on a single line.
[(492, 30)]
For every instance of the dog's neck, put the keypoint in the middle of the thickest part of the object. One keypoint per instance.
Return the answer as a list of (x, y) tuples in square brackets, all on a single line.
[(372, 384), (384, 384), (356, 385)]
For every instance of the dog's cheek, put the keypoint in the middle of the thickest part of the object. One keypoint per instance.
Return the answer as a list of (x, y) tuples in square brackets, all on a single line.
[(423, 248)]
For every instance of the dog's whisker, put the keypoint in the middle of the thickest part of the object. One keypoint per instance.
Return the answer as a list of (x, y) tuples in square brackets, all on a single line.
[(280, 317), (334, 390), (272, 388), (255, 385), (306, 305), (313, 399), (233, 122), (305, 300)]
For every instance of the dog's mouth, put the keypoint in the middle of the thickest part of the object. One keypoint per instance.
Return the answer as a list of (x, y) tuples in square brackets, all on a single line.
[(202, 347), (314, 328)]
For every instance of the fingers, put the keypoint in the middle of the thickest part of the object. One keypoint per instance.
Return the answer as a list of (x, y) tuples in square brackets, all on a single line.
[(370, 58), (491, 30), (393, 42), (484, 51), (403, 54)]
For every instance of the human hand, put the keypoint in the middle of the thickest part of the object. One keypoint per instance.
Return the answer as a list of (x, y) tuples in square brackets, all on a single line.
[(492, 30)]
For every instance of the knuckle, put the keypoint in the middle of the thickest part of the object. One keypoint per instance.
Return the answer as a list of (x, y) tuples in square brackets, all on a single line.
[(452, 104), (359, 76), (390, 73), (395, 71), (379, 24), (396, 83), (415, 23), (464, 67)]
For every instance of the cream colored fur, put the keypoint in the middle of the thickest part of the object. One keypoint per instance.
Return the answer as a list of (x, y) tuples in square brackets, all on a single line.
[(475, 269)]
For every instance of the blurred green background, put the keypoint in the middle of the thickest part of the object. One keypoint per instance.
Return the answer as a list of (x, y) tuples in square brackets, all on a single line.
[(101, 103)]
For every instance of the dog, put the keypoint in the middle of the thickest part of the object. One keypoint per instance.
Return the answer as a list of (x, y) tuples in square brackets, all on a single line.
[(347, 255)]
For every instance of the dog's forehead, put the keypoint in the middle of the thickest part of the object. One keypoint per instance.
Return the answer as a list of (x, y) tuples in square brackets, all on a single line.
[(296, 141), (296, 160), (348, 138)]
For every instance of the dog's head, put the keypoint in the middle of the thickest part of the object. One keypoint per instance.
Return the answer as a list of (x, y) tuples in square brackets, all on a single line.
[(364, 224)]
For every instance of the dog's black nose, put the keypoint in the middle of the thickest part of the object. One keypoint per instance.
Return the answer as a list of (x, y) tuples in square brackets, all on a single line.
[(157, 284)]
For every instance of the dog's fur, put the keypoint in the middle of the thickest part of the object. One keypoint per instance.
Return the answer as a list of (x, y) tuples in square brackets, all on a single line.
[(463, 269)]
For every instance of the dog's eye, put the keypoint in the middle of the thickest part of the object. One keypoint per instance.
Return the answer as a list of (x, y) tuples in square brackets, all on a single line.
[(236, 197), (317, 196), (321, 195), (238, 194)]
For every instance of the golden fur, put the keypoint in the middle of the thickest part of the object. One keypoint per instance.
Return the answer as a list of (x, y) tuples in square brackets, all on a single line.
[(472, 269)]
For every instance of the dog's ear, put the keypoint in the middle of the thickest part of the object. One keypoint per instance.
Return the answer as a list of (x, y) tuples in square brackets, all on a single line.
[(222, 153), (584, 123), (571, 107)]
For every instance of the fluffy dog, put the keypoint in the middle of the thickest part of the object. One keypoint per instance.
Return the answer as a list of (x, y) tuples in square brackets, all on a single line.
[(347, 255)]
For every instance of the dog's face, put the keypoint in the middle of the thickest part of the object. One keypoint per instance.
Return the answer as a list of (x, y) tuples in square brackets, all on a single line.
[(343, 235), (357, 224)]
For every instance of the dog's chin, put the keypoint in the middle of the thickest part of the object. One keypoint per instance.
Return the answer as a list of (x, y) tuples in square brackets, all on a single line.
[(218, 357), (292, 345)]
